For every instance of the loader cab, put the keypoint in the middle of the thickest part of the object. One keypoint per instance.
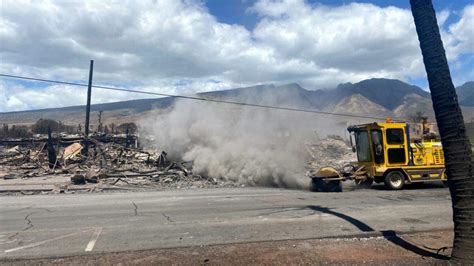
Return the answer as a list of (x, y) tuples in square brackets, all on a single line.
[(380, 144)]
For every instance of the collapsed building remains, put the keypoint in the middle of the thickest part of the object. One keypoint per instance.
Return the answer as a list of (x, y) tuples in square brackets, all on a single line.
[(118, 162), (108, 161)]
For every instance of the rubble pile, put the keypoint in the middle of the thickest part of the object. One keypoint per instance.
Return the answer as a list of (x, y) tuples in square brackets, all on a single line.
[(21, 162), (94, 165), (97, 165), (331, 151)]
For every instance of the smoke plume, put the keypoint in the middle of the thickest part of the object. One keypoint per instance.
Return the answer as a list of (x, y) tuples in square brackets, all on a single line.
[(248, 145)]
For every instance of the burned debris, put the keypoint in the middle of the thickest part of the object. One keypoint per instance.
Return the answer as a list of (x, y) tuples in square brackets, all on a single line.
[(330, 151), (111, 161)]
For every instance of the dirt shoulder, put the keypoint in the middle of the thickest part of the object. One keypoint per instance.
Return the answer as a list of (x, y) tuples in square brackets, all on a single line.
[(426, 248)]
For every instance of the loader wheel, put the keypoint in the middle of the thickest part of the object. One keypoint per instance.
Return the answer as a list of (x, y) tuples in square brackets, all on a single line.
[(394, 180), (320, 185)]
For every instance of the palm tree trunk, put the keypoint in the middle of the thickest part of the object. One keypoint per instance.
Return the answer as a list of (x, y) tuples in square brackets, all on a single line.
[(456, 145)]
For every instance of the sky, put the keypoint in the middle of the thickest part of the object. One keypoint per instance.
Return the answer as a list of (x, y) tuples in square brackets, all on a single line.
[(189, 46)]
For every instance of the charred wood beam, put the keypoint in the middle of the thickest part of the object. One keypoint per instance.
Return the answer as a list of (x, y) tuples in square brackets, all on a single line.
[(52, 159)]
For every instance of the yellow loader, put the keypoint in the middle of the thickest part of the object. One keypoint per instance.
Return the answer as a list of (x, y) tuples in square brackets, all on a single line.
[(385, 153)]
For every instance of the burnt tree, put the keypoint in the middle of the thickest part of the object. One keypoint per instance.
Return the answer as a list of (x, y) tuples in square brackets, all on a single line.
[(456, 145)]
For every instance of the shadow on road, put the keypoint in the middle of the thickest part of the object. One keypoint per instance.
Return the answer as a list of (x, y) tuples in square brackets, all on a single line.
[(362, 226), (388, 235)]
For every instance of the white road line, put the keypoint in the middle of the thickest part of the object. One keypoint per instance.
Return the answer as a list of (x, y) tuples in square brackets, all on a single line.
[(94, 238), (42, 242)]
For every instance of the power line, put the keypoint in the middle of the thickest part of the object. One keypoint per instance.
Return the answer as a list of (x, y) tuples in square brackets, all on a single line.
[(195, 98)]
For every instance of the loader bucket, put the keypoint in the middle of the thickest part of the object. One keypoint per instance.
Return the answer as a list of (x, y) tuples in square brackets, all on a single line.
[(327, 179), (328, 173)]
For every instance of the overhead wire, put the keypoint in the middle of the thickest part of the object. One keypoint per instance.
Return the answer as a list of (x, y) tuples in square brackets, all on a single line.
[(196, 98)]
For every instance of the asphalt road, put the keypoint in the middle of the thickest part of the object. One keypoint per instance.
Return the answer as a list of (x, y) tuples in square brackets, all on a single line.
[(57, 225)]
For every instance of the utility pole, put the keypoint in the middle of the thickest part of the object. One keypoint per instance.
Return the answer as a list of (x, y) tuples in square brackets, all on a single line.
[(88, 106)]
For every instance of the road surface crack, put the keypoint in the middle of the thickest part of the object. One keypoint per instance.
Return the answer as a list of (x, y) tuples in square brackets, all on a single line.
[(135, 210), (29, 224), (168, 218)]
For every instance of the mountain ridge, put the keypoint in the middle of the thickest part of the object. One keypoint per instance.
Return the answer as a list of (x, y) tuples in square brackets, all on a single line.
[(466, 93), (377, 95)]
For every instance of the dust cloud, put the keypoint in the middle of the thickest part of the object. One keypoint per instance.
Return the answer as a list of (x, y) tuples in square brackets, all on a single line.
[(248, 145)]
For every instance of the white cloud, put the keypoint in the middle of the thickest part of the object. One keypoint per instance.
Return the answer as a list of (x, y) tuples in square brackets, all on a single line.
[(463, 32), (154, 44), (371, 40)]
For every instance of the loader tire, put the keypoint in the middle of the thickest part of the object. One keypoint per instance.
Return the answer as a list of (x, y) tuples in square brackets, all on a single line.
[(320, 185), (394, 180)]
